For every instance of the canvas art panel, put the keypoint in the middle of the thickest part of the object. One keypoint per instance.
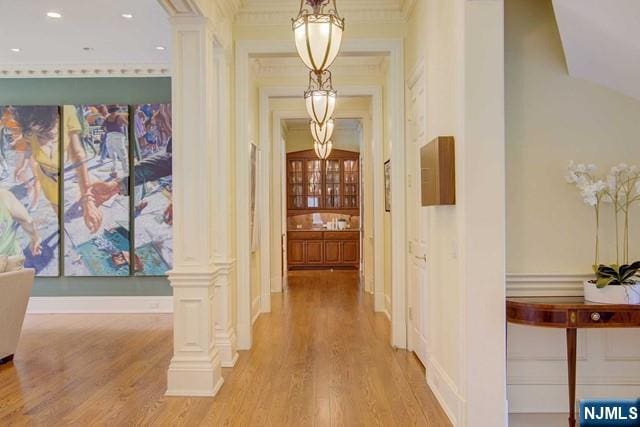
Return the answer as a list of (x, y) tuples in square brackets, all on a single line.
[(152, 179), (95, 190), (387, 186), (29, 176)]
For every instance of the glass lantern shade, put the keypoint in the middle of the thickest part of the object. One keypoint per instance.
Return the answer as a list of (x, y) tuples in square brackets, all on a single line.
[(318, 38), (322, 134), (322, 150), (320, 105)]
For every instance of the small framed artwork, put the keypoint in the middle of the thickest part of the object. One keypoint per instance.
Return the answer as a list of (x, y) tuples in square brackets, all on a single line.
[(387, 186)]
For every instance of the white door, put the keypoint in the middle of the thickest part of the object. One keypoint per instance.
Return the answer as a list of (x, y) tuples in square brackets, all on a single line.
[(418, 277)]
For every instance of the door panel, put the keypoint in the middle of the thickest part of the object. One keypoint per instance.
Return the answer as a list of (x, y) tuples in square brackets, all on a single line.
[(332, 252), (296, 252), (350, 252), (314, 252), (418, 219)]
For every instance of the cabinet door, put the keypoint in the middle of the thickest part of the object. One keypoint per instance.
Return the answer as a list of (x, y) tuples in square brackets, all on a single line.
[(332, 252), (351, 173), (295, 252), (313, 183), (332, 179), (314, 252), (350, 252), (295, 187)]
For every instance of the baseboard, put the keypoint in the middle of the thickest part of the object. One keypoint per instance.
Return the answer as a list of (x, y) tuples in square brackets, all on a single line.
[(103, 304), (445, 390), (255, 309), (387, 306)]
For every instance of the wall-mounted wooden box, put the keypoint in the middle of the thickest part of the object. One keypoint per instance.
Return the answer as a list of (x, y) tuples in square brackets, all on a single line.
[(438, 172)]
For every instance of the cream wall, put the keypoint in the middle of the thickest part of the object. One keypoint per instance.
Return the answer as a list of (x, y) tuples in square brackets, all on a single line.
[(460, 43), (431, 39), (343, 139), (553, 118), (254, 130)]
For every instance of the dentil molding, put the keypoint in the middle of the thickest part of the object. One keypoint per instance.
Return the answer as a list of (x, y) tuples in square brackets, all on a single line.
[(84, 70)]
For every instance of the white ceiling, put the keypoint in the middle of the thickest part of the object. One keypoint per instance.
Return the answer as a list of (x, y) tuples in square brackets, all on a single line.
[(84, 23), (601, 41)]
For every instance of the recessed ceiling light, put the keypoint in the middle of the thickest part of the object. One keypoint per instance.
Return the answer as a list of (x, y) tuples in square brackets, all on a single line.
[(160, 47), (55, 15), (15, 49), (127, 16), (87, 48)]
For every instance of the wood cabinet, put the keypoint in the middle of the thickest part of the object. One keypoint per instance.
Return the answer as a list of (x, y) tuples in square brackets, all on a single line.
[(323, 249), (315, 185)]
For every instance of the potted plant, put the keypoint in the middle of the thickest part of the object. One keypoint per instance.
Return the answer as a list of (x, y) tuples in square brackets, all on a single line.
[(615, 283)]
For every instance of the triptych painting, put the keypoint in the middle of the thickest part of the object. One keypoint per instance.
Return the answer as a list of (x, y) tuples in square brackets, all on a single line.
[(97, 175)]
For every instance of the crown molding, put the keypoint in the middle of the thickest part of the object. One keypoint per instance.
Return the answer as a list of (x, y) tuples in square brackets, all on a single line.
[(181, 8), (84, 70), (261, 69), (278, 15)]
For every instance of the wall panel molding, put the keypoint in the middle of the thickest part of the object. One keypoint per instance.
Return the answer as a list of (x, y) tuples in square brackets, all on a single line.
[(608, 359)]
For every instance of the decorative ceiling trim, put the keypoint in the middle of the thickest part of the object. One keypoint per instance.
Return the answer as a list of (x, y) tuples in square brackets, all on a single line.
[(274, 69), (179, 8), (278, 17), (84, 70)]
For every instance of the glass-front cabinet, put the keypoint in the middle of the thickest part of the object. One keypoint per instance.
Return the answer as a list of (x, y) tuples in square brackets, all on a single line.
[(332, 184)]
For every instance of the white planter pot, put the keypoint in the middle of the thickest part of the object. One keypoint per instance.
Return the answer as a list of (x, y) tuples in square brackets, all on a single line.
[(624, 294)]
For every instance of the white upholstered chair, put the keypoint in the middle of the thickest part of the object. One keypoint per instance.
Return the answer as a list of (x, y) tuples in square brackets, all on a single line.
[(15, 288)]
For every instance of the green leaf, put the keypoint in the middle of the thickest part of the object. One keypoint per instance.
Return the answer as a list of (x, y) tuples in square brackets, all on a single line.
[(602, 282)]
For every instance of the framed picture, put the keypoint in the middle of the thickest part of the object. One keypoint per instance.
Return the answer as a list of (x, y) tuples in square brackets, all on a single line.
[(387, 186), (255, 220)]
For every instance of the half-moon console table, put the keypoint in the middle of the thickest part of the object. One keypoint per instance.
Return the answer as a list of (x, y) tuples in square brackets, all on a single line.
[(571, 313)]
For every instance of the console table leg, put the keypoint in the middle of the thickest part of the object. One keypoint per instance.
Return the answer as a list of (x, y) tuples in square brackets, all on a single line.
[(571, 365)]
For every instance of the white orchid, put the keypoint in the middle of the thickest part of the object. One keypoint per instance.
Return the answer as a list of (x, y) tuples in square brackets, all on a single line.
[(620, 187)]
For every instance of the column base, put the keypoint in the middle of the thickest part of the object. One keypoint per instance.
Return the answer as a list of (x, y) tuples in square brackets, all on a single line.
[(227, 348), (189, 378)]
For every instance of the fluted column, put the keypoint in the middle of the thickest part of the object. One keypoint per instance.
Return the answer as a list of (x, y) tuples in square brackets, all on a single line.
[(195, 368)]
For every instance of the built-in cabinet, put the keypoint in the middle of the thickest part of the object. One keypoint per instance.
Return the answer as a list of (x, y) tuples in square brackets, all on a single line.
[(312, 249), (323, 186), (315, 185)]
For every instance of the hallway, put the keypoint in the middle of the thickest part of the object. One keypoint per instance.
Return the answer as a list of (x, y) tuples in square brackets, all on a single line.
[(322, 357)]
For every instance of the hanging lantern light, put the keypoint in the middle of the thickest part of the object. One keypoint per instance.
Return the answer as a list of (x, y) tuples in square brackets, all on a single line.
[(320, 97), (322, 150), (318, 33), (322, 134)]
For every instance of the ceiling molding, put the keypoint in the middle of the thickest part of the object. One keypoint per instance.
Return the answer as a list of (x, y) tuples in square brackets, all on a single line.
[(270, 67), (254, 12), (181, 8), (85, 70)]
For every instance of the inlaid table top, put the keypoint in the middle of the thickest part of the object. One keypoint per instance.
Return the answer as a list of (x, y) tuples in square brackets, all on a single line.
[(571, 312)]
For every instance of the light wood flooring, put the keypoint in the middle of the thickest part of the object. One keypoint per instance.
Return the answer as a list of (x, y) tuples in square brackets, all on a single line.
[(322, 357)]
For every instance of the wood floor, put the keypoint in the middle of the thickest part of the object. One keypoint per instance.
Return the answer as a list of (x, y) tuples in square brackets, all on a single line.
[(322, 357)]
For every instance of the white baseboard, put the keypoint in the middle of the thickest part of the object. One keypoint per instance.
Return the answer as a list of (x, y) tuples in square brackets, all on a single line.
[(255, 309), (387, 306), (104, 304), (445, 390)]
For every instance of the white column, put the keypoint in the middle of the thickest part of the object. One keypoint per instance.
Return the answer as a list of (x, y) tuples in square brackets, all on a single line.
[(225, 335), (195, 368)]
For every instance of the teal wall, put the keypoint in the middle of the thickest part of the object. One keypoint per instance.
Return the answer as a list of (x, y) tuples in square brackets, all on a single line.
[(89, 91)]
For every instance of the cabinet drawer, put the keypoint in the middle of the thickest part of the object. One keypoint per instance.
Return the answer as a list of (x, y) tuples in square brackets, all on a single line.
[(341, 235), (304, 235), (606, 319)]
